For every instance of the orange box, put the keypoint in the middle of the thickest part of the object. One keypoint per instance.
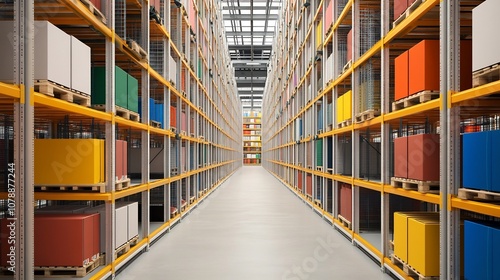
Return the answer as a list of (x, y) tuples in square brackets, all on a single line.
[(173, 117), (401, 157), (401, 76), (424, 67)]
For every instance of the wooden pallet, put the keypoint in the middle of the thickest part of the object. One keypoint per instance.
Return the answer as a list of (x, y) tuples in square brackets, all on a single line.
[(192, 199), (319, 168), (367, 115), (173, 129), (486, 75), (416, 185), (345, 222), (320, 131), (173, 212), (317, 202), (68, 271), (183, 132), (122, 184), (329, 170), (309, 167), (329, 127), (155, 124), (478, 195), (121, 112), (137, 50), (345, 123), (94, 10), (415, 99), (123, 249), (410, 271), (99, 187), (61, 92), (407, 13)]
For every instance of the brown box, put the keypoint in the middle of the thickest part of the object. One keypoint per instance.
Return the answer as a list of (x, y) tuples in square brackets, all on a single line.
[(66, 239), (349, 46), (345, 201), (399, 7), (423, 157), (309, 184), (401, 157)]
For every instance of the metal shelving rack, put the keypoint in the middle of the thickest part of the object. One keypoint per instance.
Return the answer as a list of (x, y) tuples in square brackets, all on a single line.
[(291, 110), (252, 141), (210, 101)]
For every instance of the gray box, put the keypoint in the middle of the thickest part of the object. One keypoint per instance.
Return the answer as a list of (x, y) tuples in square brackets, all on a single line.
[(485, 38), (80, 66)]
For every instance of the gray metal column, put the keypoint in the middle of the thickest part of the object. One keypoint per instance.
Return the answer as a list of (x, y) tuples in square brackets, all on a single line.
[(145, 141), (22, 180), (109, 9), (453, 140), (444, 45)]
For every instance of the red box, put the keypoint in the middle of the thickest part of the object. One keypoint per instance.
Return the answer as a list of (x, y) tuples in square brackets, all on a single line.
[(401, 157), (121, 159), (299, 180), (401, 76), (60, 239), (465, 64), (173, 117), (97, 4), (309, 184), (399, 7), (423, 157), (329, 15), (192, 16), (156, 4), (349, 46), (345, 201), (183, 122), (191, 123), (424, 67)]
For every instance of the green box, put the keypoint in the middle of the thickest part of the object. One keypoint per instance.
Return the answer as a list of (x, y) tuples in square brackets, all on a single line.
[(319, 152), (98, 96), (132, 94)]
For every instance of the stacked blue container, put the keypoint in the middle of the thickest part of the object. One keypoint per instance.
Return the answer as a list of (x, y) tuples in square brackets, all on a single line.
[(481, 160), (159, 116), (320, 118), (481, 250)]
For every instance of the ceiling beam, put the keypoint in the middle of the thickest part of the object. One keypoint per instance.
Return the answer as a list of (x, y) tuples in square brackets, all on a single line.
[(248, 33), (247, 8), (250, 84), (246, 47), (255, 74), (249, 17)]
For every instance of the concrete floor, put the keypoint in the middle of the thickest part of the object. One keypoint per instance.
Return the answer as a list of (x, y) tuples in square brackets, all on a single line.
[(252, 227)]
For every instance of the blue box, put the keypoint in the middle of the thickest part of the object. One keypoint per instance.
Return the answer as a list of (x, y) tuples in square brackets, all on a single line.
[(320, 118), (481, 250), (475, 161), (159, 111), (495, 160)]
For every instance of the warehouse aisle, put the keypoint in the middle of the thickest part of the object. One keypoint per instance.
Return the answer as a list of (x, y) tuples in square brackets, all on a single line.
[(252, 227)]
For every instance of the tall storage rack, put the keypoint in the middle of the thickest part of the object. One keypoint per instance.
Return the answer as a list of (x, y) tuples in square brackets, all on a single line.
[(252, 142), (338, 125), (177, 53)]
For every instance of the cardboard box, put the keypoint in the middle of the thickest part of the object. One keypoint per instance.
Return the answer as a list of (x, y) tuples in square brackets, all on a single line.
[(424, 67), (349, 46), (173, 117), (97, 4), (309, 184), (80, 66), (399, 7), (329, 15), (132, 94), (423, 157), (340, 109), (485, 44), (121, 160), (401, 73), (77, 162), (481, 160), (299, 180), (319, 34), (121, 225), (423, 245), (347, 111)]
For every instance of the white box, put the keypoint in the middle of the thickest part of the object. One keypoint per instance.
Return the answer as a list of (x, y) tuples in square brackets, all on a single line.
[(7, 50), (121, 225), (52, 54), (80, 66), (485, 37), (133, 220)]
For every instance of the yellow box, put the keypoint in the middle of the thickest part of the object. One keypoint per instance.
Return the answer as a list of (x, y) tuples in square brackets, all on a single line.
[(347, 105), (69, 161), (401, 231), (319, 34), (423, 245), (340, 109)]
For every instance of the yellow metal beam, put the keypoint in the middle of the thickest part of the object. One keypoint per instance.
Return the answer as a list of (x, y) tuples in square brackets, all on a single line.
[(66, 106), (426, 197), (72, 196), (131, 191), (468, 96), (397, 269), (343, 15), (368, 245), (138, 125), (8, 90), (369, 54), (420, 108), (368, 185), (475, 206), (85, 13)]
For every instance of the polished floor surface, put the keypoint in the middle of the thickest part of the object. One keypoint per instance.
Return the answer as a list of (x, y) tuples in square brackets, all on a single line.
[(252, 227)]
